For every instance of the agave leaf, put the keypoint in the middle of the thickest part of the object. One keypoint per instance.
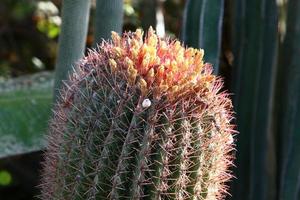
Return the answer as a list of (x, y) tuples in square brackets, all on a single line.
[(25, 105)]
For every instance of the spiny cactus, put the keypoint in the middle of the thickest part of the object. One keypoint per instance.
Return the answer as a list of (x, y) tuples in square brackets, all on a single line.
[(254, 38), (140, 119), (287, 107)]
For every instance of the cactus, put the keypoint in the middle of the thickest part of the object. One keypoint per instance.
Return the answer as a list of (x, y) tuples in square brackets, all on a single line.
[(75, 17), (140, 119), (288, 110), (255, 47), (202, 27), (108, 17), (148, 13)]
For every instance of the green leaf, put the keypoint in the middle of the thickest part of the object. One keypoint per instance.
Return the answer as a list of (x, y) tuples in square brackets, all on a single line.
[(25, 105), (53, 31), (5, 178)]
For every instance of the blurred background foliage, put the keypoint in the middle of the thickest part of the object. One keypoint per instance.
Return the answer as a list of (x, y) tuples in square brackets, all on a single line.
[(24, 43)]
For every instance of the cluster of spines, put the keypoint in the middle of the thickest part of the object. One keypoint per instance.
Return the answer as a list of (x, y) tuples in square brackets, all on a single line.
[(105, 144)]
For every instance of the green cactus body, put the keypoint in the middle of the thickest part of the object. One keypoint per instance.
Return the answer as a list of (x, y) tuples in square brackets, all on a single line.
[(202, 27), (254, 39), (108, 17), (140, 119)]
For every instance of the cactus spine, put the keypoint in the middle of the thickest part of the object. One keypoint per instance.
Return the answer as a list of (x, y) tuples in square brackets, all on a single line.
[(140, 119)]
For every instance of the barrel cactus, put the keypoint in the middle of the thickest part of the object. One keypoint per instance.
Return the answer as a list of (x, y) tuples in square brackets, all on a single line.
[(140, 118)]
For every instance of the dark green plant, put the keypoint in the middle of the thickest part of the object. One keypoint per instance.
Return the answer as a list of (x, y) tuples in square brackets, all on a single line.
[(75, 16), (140, 120), (148, 13), (202, 28), (255, 51), (288, 109), (108, 17)]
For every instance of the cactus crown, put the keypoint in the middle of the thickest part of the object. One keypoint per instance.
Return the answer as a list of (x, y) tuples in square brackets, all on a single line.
[(159, 66), (140, 119)]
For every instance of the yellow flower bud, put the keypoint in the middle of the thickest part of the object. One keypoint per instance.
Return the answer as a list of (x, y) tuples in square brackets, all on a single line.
[(116, 38), (128, 62), (150, 75), (132, 74), (113, 65), (118, 51), (143, 86), (139, 35)]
